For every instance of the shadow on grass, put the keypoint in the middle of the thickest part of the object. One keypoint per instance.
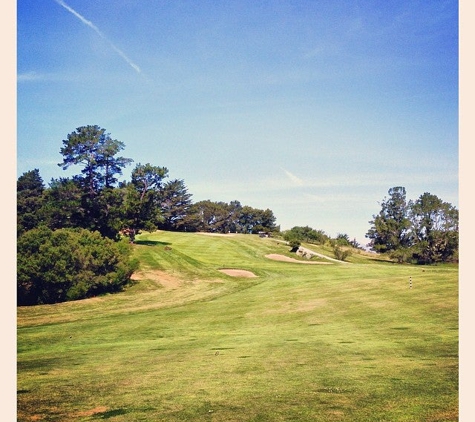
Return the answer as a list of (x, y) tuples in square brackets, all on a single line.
[(111, 413), (151, 243), (381, 261)]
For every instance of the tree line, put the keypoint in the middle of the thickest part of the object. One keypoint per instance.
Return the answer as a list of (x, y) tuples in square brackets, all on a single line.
[(96, 201), (74, 235), (52, 219)]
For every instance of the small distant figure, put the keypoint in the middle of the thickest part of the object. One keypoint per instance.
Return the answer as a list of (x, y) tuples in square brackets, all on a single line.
[(217, 353)]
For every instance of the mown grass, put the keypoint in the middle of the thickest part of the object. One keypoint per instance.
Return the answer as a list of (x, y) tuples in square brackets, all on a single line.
[(297, 343)]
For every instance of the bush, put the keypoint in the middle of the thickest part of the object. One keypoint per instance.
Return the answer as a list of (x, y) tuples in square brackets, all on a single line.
[(293, 240), (69, 264), (341, 254), (307, 234)]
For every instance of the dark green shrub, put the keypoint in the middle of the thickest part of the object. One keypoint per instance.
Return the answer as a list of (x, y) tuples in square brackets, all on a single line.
[(69, 264), (402, 255)]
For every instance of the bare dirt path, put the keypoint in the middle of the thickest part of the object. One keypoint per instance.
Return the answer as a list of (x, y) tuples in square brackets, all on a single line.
[(283, 258), (321, 255), (306, 251), (237, 273)]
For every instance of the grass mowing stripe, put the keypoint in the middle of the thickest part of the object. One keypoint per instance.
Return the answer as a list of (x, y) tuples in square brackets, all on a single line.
[(300, 342)]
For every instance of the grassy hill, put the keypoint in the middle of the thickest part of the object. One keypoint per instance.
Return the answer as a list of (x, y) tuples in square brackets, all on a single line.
[(322, 342)]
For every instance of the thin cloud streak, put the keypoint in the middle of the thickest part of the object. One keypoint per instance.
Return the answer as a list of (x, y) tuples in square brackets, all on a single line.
[(281, 186), (29, 76), (296, 180), (370, 179), (97, 30)]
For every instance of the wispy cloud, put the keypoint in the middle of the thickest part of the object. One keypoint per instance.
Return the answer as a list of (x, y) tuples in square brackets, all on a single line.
[(97, 30), (296, 180), (29, 76)]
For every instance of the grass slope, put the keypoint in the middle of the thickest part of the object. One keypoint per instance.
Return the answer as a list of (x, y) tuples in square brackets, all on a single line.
[(297, 343)]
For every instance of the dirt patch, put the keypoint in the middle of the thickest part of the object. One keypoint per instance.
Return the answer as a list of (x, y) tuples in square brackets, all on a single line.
[(238, 273), (283, 258), (160, 277)]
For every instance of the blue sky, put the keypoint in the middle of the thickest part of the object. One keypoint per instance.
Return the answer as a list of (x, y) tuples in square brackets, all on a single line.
[(314, 109)]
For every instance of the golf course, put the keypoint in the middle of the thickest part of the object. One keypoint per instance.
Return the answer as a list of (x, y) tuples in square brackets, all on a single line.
[(235, 327)]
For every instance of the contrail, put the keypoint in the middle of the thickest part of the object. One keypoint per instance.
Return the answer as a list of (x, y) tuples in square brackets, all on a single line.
[(293, 177), (91, 25)]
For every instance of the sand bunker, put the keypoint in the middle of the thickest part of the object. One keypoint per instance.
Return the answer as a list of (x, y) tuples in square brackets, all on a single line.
[(283, 258), (238, 273)]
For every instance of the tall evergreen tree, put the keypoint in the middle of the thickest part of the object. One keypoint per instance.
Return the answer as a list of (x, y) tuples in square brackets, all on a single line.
[(175, 204), (30, 188), (390, 228), (142, 199), (63, 206), (93, 149)]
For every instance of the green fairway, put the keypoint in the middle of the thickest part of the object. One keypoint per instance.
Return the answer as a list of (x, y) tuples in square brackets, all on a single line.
[(186, 342)]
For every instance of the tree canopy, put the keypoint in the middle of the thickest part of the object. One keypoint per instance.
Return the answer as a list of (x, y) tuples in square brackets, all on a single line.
[(425, 230), (93, 149)]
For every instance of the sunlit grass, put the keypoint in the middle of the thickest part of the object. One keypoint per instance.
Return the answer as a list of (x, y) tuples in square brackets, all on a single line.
[(299, 342)]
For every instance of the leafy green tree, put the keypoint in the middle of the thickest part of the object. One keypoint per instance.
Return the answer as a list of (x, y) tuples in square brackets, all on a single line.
[(247, 219), (309, 235), (402, 255), (108, 211), (235, 209), (141, 206), (211, 216), (254, 220), (69, 264), (63, 204), (66, 205), (343, 239), (30, 198), (265, 221), (435, 228), (425, 230), (390, 229), (221, 217)]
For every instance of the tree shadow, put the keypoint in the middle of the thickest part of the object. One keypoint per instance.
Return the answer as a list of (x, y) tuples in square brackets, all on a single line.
[(151, 243), (111, 413), (381, 261)]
